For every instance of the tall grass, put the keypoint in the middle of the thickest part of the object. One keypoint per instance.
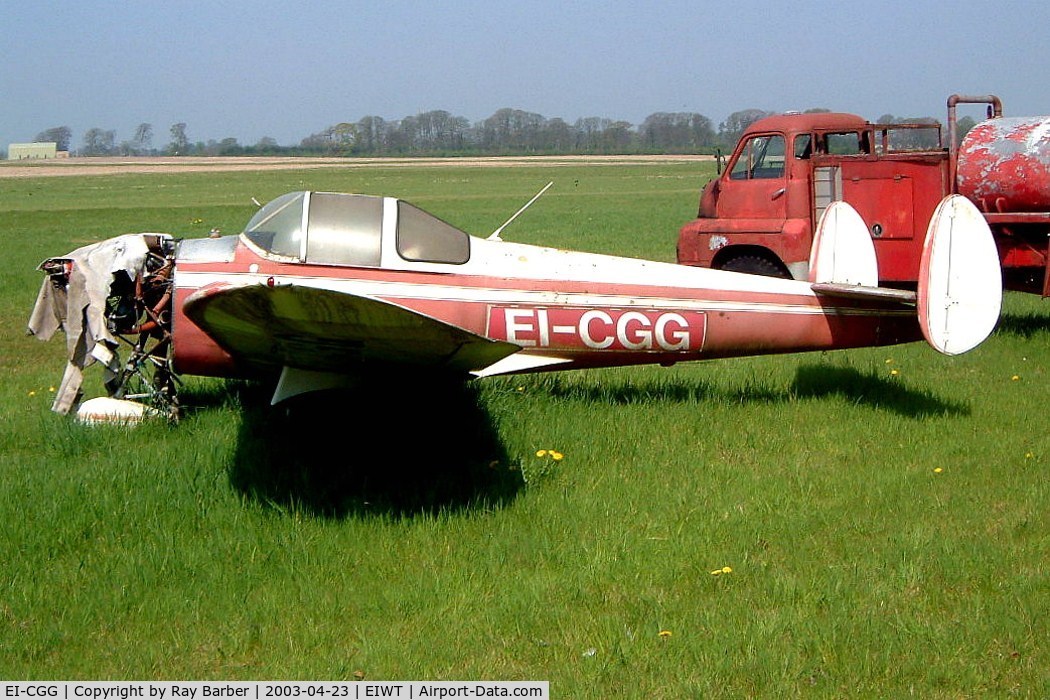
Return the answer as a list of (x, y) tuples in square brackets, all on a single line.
[(883, 512)]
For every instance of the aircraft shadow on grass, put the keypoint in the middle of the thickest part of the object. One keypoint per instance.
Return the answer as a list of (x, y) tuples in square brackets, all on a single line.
[(405, 447), (386, 448), (811, 381), (1023, 325), (872, 390)]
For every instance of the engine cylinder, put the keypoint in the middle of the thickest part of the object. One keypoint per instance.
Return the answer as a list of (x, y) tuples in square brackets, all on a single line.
[(1004, 165)]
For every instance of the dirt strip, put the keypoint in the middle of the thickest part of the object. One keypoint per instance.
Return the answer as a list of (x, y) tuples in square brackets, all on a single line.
[(191, 164)]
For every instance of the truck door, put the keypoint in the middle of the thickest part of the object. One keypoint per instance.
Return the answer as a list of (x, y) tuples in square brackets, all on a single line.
[(756, 185)]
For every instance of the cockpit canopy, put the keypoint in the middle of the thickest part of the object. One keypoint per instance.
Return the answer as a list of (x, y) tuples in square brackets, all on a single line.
[(329, 228)]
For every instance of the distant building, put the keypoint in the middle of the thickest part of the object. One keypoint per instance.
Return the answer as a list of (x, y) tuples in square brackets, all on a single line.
[(27, 151)]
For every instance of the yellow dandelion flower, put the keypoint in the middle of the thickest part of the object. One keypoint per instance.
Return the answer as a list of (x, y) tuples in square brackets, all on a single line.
[(889, 360), (937, 470), (716, 572), (32, 393), (51, 389), (541, 453), (665, 633), (557, 456), (726, 570), (894, 372), (1015, 378), (1028, 455)]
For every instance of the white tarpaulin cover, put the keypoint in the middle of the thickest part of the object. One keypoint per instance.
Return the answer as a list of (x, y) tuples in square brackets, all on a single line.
[(79, 309)]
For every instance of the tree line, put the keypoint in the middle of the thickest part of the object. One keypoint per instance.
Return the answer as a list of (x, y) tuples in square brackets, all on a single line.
[(437, 132)]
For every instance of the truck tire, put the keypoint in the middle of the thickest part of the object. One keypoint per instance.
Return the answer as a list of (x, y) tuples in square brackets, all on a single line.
[(754, 265)]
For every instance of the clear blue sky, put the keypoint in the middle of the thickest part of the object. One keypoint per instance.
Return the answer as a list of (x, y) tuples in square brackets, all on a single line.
[(288, 69)]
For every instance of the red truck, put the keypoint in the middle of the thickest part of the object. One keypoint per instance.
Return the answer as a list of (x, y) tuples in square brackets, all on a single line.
[(759, 214)]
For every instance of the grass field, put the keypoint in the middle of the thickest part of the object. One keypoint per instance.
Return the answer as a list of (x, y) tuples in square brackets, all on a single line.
[(869, 523)]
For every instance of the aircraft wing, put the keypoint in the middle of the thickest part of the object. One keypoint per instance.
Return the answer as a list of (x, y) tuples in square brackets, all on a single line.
[(320, 330)]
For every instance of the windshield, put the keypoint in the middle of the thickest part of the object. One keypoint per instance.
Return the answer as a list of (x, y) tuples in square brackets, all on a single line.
[(278, 226)]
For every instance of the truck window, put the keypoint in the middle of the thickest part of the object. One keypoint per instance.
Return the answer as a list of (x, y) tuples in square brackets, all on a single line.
[(803, 146), (904, 138), (761, 158), (846, 144)]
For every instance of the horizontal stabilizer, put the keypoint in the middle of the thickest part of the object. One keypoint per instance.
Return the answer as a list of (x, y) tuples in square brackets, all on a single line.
[(960, 281), (852, 291)]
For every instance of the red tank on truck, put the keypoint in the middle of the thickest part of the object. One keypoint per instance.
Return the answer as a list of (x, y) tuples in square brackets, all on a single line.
[(759, 214)]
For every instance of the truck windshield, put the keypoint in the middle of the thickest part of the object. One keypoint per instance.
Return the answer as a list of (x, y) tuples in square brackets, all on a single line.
[(761, 158)]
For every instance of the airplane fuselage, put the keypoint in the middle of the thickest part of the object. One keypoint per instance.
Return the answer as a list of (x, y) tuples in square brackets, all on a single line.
[(585, 310)]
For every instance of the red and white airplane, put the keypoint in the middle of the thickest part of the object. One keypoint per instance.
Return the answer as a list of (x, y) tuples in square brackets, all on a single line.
[(321, 288)]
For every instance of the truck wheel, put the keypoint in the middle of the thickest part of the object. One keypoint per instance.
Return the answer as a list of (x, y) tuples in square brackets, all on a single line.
[(754, 265)]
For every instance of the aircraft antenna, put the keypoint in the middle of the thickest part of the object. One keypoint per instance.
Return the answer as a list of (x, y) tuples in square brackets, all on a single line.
[(496, 233)]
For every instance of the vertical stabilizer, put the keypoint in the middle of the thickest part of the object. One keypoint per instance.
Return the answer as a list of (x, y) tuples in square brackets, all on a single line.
[(843, 252), (960, 282)]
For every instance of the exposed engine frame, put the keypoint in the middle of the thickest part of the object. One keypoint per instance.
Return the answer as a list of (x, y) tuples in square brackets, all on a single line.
[(138, 313)]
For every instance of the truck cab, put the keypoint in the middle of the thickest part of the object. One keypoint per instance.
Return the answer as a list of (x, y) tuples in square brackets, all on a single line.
[(759, 214)]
